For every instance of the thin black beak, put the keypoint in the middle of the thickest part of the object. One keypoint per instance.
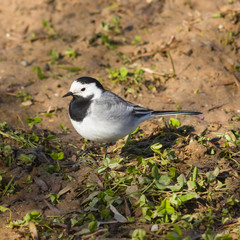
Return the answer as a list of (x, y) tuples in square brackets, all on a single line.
[(68, 94)]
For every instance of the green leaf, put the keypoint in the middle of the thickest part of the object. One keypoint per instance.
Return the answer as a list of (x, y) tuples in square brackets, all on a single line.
[(155, 172), (3, 125), (172, 172), (175, 188), (64, 129), (164, 179), (181, 181), (163, 182), (177, 229), (139, 234), (113, 72), (54, 197), (174, 122), (138, 38), (27, 158), (33, 216), (3, 209), (156, 147), (54, 155), (7, 186), (218, 15), (38, 70), (160, 186), (91, 197), (70, 53), (46, 24), (142, 200), (192, 185), (175, 200), (54, 55), (114, 163), (60, 156), (92, 226), (32, 121), (188, 196), (165, 208), (123, 72), (173, 236), (37, 120)]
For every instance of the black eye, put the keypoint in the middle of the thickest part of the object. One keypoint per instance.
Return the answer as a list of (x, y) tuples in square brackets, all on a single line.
[(83, 89)]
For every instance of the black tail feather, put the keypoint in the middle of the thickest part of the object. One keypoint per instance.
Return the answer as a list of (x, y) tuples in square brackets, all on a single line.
[(168, 113)]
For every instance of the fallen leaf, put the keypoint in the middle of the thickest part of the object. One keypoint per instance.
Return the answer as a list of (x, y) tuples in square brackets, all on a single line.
[(118, 216), (41, 183), (33, 230)]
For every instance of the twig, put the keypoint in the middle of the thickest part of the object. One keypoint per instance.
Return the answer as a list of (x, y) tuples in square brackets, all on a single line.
[(216, 107), (152, 72), (88, 236), (225, 84), (173, 67), (155, 235), (147, 54), (237, 79)]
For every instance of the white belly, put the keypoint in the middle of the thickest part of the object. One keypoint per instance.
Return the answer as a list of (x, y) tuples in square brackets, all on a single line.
[(101, 131)]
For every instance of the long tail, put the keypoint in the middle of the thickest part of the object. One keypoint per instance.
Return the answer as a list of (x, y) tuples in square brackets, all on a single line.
[(167, 113)]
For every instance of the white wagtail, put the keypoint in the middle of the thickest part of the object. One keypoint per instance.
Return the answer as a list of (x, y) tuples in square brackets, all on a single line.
[(102, 116)]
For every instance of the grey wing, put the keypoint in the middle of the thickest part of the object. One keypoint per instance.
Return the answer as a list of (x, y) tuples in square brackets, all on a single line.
[(111, 106), (116, 107)]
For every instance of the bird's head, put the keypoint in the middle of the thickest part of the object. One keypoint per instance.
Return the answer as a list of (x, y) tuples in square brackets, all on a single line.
[(85, 87)]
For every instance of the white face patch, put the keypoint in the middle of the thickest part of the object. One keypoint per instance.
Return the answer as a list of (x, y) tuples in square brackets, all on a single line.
[(85, 90)]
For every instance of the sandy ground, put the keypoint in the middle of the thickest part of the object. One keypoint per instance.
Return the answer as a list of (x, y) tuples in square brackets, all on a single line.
[(202, 38)]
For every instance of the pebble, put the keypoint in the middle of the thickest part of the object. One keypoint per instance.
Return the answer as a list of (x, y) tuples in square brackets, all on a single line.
[(25, 63), (26, 103), (154, 228)]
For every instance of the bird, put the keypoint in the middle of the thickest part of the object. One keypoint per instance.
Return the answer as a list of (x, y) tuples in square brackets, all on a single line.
[(102, 116)]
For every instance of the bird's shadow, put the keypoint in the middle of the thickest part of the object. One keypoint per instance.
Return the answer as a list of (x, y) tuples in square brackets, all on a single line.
[(166, 136)]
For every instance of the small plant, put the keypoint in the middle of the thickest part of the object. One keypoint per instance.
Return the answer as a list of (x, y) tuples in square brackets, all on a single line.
[(109, 43), (32, 121), (4, 209), (63, 127), (116, 20), (137, 39), (57, 157), (119, 75), (114, 26), (38, 70), (27, 159), (24, 96), (49, 28), (70, 53), (33, 216), (54, 197), (54, 55), (174, 122)]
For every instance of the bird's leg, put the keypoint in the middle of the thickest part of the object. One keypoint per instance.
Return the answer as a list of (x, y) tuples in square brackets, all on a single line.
[(106, 147), (105, 155), (90, 148)]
